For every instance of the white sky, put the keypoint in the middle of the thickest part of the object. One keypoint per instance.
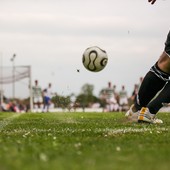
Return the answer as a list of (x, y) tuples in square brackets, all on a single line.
[(51, 36)]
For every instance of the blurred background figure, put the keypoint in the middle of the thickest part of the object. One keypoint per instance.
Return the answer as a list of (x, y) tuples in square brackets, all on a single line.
[(48, 94), (108, 94), (123, 99), (134, 94), (37, 97)]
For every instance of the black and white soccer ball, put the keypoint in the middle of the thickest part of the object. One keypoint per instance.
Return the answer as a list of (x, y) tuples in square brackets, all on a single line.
[(94, 59)]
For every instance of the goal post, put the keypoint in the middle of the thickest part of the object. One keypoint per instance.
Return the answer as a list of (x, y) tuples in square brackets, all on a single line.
[(11, 75)]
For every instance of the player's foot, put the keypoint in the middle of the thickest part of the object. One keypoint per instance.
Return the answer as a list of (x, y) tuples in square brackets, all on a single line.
[(132, 115), (147, 117)]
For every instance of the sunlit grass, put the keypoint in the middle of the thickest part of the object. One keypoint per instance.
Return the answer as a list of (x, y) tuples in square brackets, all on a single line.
[(82, 141)]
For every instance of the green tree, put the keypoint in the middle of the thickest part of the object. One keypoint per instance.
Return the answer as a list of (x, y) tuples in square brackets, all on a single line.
[(61, 101), (86, 97)]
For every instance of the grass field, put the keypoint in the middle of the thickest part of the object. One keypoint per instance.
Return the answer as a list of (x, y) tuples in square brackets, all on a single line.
[(82, 141)]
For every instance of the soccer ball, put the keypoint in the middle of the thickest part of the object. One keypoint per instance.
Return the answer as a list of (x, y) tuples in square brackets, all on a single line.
[(94, 59)]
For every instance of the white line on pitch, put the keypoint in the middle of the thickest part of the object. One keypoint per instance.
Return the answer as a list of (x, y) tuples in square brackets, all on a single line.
[(6, 121)]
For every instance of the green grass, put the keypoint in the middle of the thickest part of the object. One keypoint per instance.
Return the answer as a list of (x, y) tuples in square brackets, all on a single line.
[(82, 141)]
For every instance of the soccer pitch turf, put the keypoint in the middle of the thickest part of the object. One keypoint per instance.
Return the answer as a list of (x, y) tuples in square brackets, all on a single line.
[(82, 141)]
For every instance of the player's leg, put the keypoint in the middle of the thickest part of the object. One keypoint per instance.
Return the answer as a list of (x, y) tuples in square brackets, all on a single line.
[(148, 113), (152, 83), (48, 104), (35, 104), (162, 99), (154, 80), (44, 104), (164, 96), (40, 103)]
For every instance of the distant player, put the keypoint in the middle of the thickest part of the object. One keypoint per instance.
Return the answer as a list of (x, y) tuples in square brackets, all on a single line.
[(37, 96), (123, 99), (108, 95), (47, 93), (157, 79)]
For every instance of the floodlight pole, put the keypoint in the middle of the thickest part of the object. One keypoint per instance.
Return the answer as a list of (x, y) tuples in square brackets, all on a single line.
[(13, 75), (30, 86)]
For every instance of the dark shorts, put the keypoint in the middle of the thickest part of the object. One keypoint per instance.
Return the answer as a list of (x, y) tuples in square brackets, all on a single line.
[(46, 100), (167, 44)]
